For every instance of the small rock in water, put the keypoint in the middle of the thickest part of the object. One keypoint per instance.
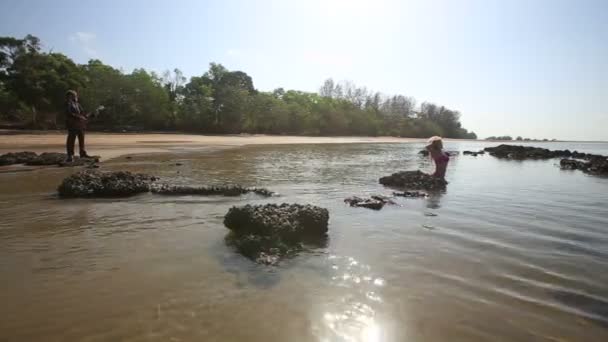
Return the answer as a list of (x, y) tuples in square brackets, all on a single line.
[(414, 180), (428, 226), (410, 194), (449, 153), (430, 214), (268, 233), (375, 202)]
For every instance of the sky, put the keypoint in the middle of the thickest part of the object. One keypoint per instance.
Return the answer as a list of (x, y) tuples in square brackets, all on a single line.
[(531, 68)]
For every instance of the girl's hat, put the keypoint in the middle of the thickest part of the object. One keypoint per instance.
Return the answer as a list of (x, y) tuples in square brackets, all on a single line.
[(432, 140), (70, 92)]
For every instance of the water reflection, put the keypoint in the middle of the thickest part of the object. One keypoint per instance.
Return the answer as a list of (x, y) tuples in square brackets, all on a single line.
[(434, 200), (352, 315)]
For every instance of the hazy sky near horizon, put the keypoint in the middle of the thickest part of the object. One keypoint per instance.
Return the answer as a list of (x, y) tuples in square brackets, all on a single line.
[(535, 68)]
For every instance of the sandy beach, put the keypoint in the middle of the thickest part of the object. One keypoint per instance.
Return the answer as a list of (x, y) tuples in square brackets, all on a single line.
[(112, 145)]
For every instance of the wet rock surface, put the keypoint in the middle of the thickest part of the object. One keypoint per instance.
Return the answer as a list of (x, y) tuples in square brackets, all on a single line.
[(595, 166), (375, 202), (414, 180), (221, 190), (93, 183), (268, 233), (17, 158)]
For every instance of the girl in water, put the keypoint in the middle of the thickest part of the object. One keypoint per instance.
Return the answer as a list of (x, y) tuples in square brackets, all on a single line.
[(441, 159)]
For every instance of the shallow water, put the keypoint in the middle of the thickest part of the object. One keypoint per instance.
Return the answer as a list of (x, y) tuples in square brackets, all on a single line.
[(515, 251)]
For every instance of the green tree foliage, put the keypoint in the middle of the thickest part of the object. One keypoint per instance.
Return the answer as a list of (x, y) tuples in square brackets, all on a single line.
[(218, 101), (501, 138)]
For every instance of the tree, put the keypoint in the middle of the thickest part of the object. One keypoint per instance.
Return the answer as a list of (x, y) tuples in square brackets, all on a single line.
[(327, 89), (41, 80), (196, 109)]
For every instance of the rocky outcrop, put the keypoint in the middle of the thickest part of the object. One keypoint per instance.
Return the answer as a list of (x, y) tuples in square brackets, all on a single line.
[(268, 233), (587, 162), (46, 158), (529, 152), (92, 183), (17, 158), (414, 180), (222, 190), (375, 202)]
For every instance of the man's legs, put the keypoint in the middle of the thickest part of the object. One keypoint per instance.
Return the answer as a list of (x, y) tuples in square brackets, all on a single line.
[(83, 152), (69, 144)]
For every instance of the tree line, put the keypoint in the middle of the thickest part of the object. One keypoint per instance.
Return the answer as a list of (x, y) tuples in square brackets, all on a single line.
[(519, 138), (33, 85)]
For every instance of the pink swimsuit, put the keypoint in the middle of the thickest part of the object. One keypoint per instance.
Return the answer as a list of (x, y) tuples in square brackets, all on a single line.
[(441, 163)]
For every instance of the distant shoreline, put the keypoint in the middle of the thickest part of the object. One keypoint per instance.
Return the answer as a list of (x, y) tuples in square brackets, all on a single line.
[(113, 145)]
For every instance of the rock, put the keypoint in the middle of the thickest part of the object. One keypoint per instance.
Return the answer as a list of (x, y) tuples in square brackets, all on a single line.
[(49, 158), (520, 152), (472, 153), (596, 166), (572, 164), (88, 162), (530, 152), (17, 158), (93, 183), (414, 180), (410, 194), (450, 153), (46, 158), (178, 164), (223, 190), (590, 163), (375, 202), (599, 166), (268, 233)]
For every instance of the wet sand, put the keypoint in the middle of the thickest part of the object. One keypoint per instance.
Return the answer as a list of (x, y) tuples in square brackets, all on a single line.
[(112, 145)]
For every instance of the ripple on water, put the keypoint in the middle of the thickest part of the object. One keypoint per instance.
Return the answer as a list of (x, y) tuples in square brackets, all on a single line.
[(352, 309)]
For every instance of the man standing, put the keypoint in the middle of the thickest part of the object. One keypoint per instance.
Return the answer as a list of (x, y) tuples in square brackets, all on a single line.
[(76, 121)]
